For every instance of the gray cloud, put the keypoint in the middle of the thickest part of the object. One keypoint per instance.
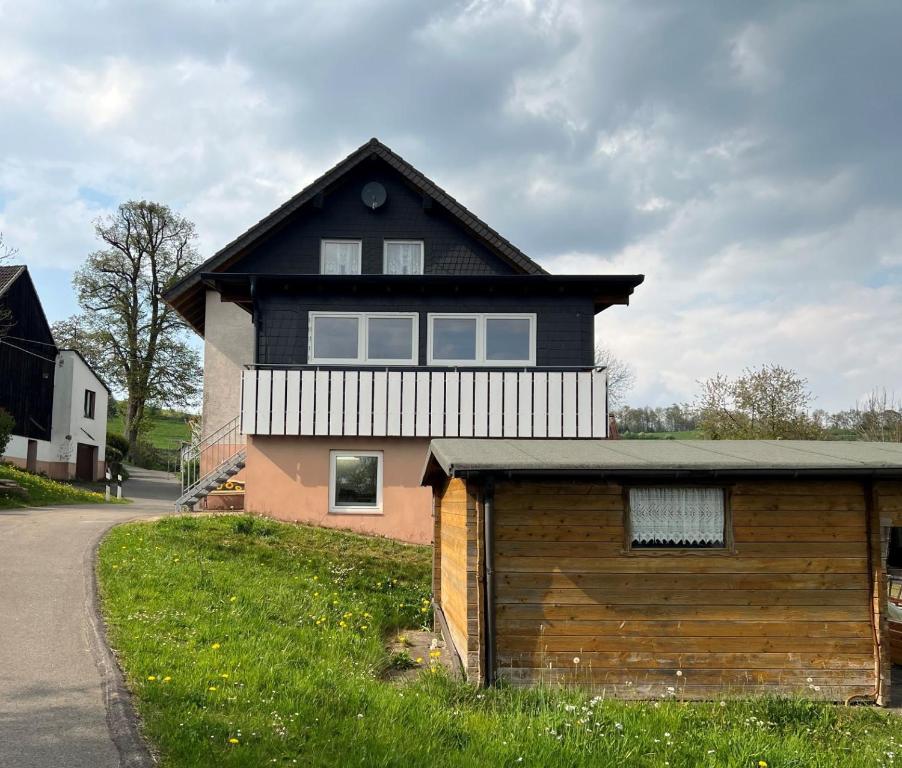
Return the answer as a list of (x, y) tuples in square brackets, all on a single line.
[(744, 155)]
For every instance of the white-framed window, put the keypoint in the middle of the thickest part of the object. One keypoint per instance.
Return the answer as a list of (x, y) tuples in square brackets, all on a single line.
[(340, 257), (668, 517), (367, 338), (482, 339), (402, 257), (355, 482)]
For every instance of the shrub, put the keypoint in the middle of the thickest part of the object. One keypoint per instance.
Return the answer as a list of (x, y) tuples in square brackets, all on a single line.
[(7, 423), (118, 442)]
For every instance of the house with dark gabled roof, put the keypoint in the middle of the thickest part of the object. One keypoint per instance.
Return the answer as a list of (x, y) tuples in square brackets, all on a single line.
[(57, 401), (368, 314)]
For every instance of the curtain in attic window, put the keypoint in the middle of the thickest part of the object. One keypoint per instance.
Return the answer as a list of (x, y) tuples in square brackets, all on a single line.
[(341, 258), (403, 258), (677, 516)]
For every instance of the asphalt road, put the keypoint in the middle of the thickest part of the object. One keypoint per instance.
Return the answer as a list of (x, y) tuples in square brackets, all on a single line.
[(62, 702)]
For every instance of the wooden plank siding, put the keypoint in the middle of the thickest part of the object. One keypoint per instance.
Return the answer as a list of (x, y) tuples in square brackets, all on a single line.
[(789, 609), (457, 571)]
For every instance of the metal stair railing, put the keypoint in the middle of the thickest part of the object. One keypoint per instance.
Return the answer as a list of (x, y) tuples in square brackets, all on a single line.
[(203, 460)]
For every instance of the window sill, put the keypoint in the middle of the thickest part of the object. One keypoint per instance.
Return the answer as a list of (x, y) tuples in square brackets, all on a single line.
[(354, 511)]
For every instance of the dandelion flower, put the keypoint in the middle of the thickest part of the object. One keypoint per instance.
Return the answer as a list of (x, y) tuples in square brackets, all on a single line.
[(435, 654), (232, 599), (215, 646), (224, 675), (167, 679), (679, 673), (419, 659), (151, 677), (212, 688), (762, 764), (233, 740)]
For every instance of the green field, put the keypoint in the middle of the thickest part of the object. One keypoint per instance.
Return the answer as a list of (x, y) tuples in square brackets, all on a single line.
[(251, 643), (43, 492), (164, 430)]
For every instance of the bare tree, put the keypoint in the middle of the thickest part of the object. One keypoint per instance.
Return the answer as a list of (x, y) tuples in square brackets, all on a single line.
[(879, 418), (7, 254), (621, 377), (770, 402), (126, 329)]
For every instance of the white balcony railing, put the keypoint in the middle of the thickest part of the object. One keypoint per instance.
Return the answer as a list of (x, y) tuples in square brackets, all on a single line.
[(424, 402)]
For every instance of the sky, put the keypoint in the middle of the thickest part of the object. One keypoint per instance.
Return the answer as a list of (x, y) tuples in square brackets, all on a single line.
[(745, 157)]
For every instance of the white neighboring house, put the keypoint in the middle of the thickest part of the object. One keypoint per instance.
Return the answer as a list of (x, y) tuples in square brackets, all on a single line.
[(77, 444)]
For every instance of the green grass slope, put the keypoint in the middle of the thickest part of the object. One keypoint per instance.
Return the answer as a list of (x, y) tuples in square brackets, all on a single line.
[(255, 643), (164, 430), (43, 492)]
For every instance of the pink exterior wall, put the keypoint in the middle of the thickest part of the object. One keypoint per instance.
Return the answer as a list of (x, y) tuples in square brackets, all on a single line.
[(288, 478)]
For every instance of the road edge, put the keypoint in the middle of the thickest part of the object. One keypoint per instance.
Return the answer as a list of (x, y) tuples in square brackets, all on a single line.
[(121, 717)]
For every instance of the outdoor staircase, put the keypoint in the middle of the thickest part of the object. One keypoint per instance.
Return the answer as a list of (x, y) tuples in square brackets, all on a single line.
[(208, 463)]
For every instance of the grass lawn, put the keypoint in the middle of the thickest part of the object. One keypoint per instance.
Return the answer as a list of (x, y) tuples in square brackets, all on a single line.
[(164, 430), (254, 643), (42, 492)]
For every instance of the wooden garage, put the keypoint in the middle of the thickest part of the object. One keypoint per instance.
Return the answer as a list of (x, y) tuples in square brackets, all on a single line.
[(693, 569)]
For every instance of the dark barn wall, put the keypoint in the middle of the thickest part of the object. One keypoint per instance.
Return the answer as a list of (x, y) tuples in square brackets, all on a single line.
[(448, 247), (26, 378), (564, 324)]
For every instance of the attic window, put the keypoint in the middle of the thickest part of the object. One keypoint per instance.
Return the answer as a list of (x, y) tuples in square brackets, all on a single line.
[(340, 257), (403, 257), (677, 517)]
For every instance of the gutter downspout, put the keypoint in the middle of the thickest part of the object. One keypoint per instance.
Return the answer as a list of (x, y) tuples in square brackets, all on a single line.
[(488, 508)]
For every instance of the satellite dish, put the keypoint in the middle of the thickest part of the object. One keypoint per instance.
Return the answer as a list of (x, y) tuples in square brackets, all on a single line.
[(373, 195)]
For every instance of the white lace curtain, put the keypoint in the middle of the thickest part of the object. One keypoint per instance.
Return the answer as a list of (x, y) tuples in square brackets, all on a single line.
[(341, 258), (403, 258), (677, 516)]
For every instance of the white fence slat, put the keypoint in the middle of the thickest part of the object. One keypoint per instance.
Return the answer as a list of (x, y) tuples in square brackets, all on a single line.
[(249, 402), (524, 404), (336, 402), (599, 404), (408, 403), (321, 411), (277, 423), (452, 403), (496, 404), (540, 405), (350, 414), (308, 398), (264, 395), (437, 405), (569, 403), (393, 425), (480, 404), (584, 404), (365, 404), (292, 402), (555, 406), (466, 404), (380, 403), (421, 425), (510, 403)]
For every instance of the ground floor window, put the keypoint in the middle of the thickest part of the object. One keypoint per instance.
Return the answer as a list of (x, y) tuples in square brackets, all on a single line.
[(355, 481), (671, 517)]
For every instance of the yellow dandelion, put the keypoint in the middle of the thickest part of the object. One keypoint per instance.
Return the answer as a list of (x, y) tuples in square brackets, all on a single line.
[(233, 741), (215, 646), (762, 764), (212, 688), (167, 679), (435, 654), (363, 626), (225, 675), (232, 599), (419, 659), (342, 624), (151, 677)]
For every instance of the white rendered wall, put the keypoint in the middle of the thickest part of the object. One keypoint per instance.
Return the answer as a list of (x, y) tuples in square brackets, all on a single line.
[(228, 346)]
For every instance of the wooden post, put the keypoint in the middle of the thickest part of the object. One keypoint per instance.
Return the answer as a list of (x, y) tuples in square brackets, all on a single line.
[(877, 582)]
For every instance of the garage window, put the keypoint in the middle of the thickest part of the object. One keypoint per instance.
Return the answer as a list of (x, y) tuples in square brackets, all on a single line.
[(355, 482), (674, 517)]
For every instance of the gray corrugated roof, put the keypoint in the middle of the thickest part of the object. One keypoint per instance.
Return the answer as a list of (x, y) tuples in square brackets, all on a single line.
[(8, 275), (454, 456)]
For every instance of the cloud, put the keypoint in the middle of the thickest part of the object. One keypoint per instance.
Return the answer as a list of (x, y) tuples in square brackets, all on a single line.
[(742, 156)]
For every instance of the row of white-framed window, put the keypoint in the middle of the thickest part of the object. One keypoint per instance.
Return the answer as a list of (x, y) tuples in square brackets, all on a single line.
[(399, 257), (392, 338)]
